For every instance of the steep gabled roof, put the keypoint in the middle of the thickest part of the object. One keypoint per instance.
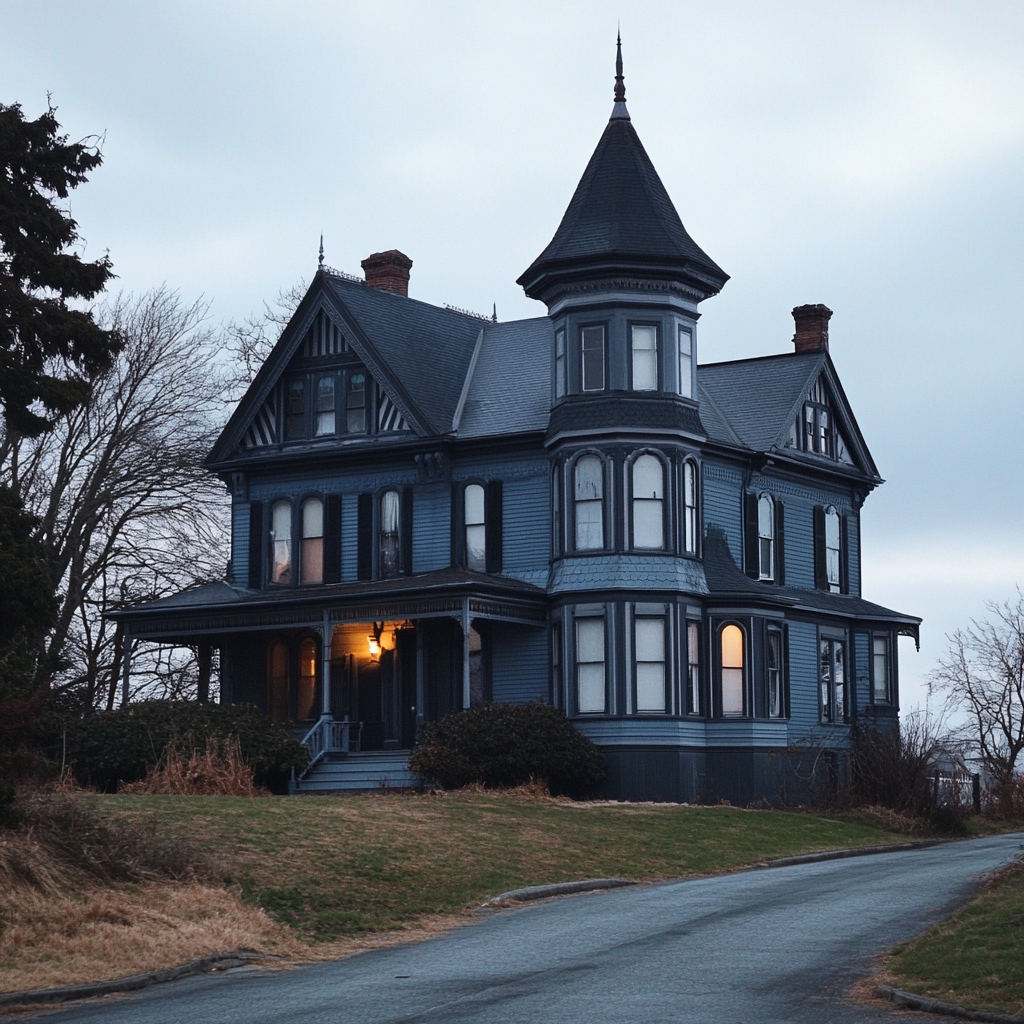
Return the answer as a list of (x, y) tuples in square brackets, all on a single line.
[(756, 402), (418, 353), (510, 388), (621, 219)]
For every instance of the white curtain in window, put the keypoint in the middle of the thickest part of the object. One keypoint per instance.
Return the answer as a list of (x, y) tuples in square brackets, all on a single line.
[(589, 501), (281, 536), (649, 634), (476, 533), (645, 358), (732, 670), (648, 501), (389, 513), (590, 664)]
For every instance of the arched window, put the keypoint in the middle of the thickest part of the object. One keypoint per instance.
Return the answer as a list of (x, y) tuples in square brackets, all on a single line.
[(312, 564), (307, 680), (281, 538), (476, 531), (588, 484), (389, 519), (277, 682), (832, 553), (732, 670), (648, 503), (691, 531), (765, 537)]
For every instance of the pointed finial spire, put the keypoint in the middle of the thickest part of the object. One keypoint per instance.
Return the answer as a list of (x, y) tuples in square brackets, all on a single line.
[(321, 248), (494, 314), (619, 110)]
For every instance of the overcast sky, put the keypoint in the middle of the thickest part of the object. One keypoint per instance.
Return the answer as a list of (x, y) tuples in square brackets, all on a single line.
[(867, 156)]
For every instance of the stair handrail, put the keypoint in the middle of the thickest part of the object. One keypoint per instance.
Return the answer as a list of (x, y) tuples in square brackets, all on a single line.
[(327, 736)]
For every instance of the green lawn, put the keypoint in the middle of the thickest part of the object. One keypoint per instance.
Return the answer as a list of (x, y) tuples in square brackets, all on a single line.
[(335, 866), (975, 958)]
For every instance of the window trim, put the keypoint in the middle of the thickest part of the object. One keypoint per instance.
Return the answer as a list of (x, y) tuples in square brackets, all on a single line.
[(603, 327), (602, 618), (666, 477), (663, 618), (602, 502), (690, 463), (743, 667), (827, 715), (885, 638)]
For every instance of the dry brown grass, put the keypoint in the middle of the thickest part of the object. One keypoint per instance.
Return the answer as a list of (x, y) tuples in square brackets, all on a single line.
[(217, 771)]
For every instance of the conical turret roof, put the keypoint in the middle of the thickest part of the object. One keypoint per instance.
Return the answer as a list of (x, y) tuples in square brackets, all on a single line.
[(622, 221)]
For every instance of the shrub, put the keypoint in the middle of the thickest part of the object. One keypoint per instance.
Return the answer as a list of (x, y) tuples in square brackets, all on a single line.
[(123, 745), (508, 745), (217, 771)]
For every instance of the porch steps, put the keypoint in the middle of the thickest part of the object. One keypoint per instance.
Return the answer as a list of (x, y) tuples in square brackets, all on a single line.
[(360, 771)]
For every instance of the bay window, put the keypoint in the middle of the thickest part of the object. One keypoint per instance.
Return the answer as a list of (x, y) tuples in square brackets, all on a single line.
[(832, 677), (732, 670), (649, 649), (588, 491), (592, 359), (590, 670), (644, 344)]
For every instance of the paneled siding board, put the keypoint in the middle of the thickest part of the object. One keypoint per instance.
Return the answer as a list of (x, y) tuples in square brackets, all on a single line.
[(240, 544), (803, 675), (723, 505), (519, 663), (799, 543), (431, 530)]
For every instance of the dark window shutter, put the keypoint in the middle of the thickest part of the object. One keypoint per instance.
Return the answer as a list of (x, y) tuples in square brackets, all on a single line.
[(844, 557), (780, 543), (785, 670), (405, 527), (820, 567), (750, 533), (457, 511), (493, 526), (332, 540), (364, 537), (255, 545)]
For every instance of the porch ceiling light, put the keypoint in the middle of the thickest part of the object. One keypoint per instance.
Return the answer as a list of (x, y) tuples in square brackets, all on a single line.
[(374, 645)]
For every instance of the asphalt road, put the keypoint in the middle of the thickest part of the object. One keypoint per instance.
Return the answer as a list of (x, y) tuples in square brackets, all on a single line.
[(779, 945)]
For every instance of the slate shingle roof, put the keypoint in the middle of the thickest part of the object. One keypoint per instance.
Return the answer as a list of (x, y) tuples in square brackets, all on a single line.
[(510, 392), (621, 216)]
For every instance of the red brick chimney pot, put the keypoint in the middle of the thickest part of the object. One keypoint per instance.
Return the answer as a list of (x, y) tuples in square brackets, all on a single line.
[(811, 328), (388, 271)]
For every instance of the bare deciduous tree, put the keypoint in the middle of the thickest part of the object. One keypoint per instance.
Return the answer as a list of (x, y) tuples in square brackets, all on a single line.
[(126, 510), (253, 338), (982, 675)]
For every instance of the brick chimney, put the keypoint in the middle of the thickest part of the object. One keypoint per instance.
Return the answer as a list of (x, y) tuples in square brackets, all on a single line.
[(388, 271), (811, 328)]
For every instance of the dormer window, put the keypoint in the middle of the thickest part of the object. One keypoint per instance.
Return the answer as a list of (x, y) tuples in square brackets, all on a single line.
[(592, 359), (325, 405), (644, 342), (817, 429), (355, 403)]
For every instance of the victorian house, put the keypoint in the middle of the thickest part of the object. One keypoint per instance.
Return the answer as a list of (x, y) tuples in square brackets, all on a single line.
[(432, 510)]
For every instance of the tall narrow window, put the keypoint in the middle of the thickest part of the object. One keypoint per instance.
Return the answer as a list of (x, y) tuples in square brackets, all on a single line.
[(295, 409), (389, 519), (592, 359), (324, 406), (649, 638), (645, 358), (588, 474), (281, 540), (648, 503), (832, 549), (690, 531), (732, 670), (312, 558), (476, 531), (355, 404), (773, 658), (307, 680), (685, 362), (277, 682), (590, 664), (818, 429), (880, 668), (556, 663), (832, 675), (766, 537), (556, 513), (824, 433), (693, 668), (559, 364)]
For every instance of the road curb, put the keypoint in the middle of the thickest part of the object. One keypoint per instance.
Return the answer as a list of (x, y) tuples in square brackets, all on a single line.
[(853, 851), (540, 892), (66, 993), (926, 1005)]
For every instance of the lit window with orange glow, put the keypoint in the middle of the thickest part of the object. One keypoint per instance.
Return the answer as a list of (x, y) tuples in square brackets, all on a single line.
[(732, 670)]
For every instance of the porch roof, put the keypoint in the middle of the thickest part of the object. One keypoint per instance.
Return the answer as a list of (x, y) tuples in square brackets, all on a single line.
[(221, 608)]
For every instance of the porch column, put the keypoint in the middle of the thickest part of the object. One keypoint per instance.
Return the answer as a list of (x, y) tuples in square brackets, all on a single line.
[(325, 671), (126, 665), (205, 655), (465, 654), (421, 707)]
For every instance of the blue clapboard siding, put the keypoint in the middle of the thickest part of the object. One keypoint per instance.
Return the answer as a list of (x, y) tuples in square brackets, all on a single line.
[(240, 544), (853, 546), (527, 528), (799, 543), (723, 504), (519, 663), (431, 530), (349, 540), (803, 677)]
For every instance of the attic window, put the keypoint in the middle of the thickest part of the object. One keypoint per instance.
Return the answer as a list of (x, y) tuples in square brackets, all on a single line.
[(817, 429), (355, 404)]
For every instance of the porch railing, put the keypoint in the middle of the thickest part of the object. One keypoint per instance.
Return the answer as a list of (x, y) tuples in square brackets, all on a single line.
[(329, 736)]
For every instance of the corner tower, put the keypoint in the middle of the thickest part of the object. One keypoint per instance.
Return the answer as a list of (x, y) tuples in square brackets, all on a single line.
[(622, 278)]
